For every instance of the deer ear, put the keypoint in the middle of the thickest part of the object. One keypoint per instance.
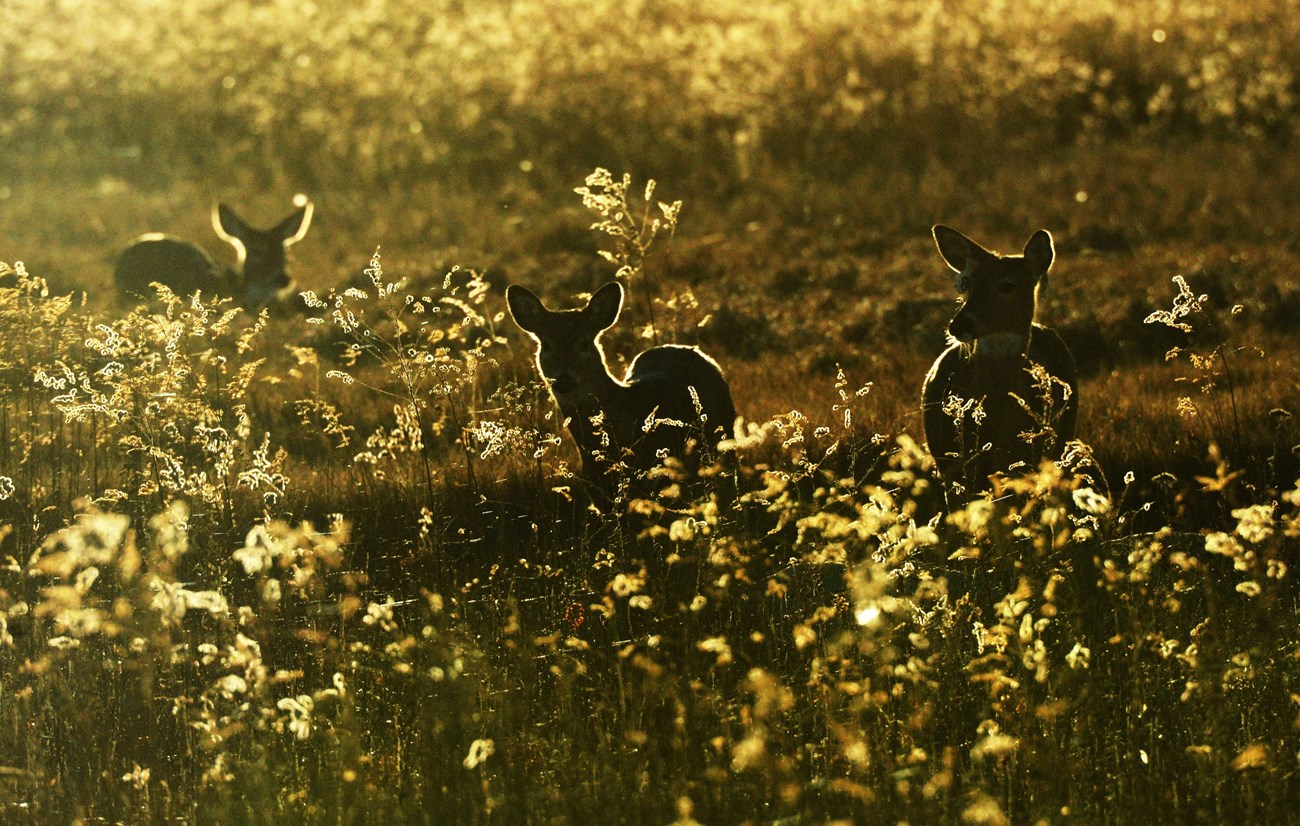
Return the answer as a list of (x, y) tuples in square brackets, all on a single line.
[(525, 308), (229, 226), (293, 228), (960, 253), (955, 248), (1040, 253), (603, 308)]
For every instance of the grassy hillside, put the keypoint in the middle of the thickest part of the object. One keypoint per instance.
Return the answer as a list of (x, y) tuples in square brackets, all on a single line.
[(335, 564)]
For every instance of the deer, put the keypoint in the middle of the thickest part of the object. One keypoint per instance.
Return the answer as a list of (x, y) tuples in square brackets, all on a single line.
[(672, 401), (1004, 394), (258, 279)]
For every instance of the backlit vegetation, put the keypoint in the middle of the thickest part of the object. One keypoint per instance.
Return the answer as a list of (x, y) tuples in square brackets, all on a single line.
[(381, 91), (340, 567)]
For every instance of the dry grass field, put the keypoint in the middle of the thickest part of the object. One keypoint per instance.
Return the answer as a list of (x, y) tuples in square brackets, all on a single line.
[(335, 563)]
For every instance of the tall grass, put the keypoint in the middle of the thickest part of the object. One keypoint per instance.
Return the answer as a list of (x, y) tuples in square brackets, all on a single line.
[(417, 611), (377, 93)]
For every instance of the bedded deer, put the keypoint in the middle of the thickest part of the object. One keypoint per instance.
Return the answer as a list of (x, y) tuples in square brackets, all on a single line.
[(673, 400), (1004, 393), (257, 280)]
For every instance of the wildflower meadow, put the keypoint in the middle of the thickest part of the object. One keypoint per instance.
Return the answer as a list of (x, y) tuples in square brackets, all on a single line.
[(337, 559)]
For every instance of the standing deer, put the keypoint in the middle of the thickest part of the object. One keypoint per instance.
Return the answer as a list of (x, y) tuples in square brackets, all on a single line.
[(258, 279), (673, 401), (1005, 392)]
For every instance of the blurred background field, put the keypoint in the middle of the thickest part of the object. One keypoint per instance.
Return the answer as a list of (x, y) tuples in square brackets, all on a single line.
[(812, 145)]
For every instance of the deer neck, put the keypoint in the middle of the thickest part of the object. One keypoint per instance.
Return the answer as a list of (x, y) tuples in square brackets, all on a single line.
[(596, 418), (1001, 346), (598, 394)]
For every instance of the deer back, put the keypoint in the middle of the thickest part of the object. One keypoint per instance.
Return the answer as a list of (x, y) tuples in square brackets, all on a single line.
[(180, 265)]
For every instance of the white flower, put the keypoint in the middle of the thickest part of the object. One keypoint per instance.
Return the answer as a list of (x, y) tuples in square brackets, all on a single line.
[(211, 601), (1089, 500), (138, 777), (232, 684), (1079, 657), (381, 614), (271, 592), (1254, 523), (258, 551), (479, 752), (85, 579), (299, 709)]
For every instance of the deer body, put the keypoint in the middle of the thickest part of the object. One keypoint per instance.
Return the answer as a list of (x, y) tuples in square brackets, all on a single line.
[(258, 279), (671, 395), (1004, 393)]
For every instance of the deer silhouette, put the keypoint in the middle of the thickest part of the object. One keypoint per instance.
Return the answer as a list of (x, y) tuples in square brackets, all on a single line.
[(673, 401), (1004, 393), (258, 279)]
